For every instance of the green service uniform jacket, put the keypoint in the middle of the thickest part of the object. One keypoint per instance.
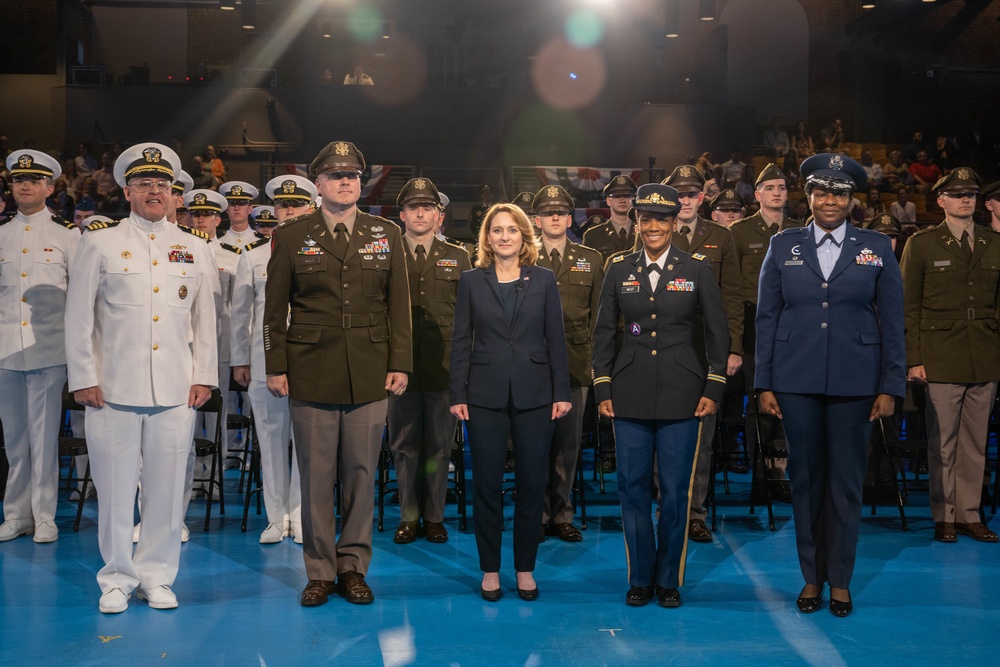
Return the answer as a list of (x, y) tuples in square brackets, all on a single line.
[(752, 237), (950, 305), (581, 274), (432, 301), (337, 325), (604, 239)]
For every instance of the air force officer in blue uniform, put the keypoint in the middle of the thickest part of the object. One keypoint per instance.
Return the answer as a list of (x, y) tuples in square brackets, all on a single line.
[(658, 387), (830, 359)]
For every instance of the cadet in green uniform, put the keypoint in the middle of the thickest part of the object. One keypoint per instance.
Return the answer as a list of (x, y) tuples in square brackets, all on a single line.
[(523, 201), (752, 237), (727, 207), (618, 233), (701, 237), (950, 285), (420, 426), (343, 275), (579, 275)]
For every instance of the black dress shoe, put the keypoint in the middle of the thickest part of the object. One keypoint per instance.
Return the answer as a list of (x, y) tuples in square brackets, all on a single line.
[(436, 532), (639, 596), (840, 609), (527, 594), (316, 592), (738, 466), (698, 531), (808, 605), (406, 532), (491, 596), (352, 587), (566, 532), (609, 464), (668, 597), (945, 532)]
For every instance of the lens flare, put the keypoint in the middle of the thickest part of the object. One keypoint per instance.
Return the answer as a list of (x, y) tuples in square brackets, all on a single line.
[(584, 28)]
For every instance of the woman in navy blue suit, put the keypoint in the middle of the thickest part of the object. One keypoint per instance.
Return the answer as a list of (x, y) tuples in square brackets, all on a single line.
[(509, 376), (830, 359)]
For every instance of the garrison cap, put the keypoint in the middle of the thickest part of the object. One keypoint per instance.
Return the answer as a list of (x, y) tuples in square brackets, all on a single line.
[(238, 192), (552, 197), (685, 175), (727, 200), (86, 203), (523, 201), (263, 215), (655, 198), (337, 156), (33, 163), (205, 200), (183, 184), (885, 223), (418, 191), (620, 184), (146, 159), (960, 178), (833, 171), (991, 191), (291, 187), (770, 173)]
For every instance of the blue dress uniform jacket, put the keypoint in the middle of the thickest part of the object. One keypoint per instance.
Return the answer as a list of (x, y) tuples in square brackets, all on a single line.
[(659, 374), (501, 361), (804, 315)]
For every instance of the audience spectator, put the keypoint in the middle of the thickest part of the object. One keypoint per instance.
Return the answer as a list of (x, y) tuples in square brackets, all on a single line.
[(833, 137), (705, 164), (358, 77), (218, 166), (911, 149), (875, 207), (944, 151), (874, 171), (924, 172), (71, 177), (802, 142), (62, 151), (85, 161), (776, 140), (4, 148), (105, 176), (746, 188), (734, 167), (800, 209), (902, 209), (715, 183), (60, 202), (895, 172), (202, 176)]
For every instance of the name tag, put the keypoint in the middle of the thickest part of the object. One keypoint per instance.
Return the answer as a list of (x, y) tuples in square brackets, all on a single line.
[(943, 262), (793, 262), (755, 245)]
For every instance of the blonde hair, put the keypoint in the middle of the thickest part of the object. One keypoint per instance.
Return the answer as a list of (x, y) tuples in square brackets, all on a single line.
[(529, 244)]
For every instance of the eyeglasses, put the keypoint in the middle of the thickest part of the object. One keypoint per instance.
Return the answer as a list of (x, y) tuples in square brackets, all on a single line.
[(142, 187), (340, 175), (959, 195), (688, 195)]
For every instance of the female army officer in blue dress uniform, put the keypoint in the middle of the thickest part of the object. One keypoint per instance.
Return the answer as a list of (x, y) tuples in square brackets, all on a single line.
[(658, 387), (830, 358)]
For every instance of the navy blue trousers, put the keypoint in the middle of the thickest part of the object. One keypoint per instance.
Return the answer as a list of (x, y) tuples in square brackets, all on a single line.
[(827, 438), (655, 558)]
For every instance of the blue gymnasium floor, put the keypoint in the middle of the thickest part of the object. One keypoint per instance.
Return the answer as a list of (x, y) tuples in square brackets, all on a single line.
[(917, 602)]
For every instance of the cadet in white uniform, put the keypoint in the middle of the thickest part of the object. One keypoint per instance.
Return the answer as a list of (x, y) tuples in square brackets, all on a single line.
[(178, 213), (142, 357), (240, 196), (280, 476), (36, 255)]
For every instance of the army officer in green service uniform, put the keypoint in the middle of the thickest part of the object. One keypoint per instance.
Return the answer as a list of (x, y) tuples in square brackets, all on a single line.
[(343, 275), (420, 425), (617, 234), (579, 273), (951, 286)]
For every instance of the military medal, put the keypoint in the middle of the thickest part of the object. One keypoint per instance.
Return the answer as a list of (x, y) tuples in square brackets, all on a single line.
[(183, 292), (868, 258), (680, 285)]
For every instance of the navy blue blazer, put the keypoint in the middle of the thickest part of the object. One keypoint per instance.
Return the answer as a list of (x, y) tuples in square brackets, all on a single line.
[(841, 336), (490, 360)]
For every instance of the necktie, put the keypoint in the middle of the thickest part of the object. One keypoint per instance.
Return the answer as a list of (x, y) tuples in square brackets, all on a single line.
[(966, 244), (340, 244), (774, 228), (828, 237), (683, 241), (623, 237), (556, 264), (421, 258)]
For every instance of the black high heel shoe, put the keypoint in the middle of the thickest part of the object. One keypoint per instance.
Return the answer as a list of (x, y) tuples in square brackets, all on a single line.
[(491, 596), (527, 594)]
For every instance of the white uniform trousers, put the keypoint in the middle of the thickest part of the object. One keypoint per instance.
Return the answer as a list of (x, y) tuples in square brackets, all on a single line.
[(119, 439), (204, 427), (279, 475), (31, 412)]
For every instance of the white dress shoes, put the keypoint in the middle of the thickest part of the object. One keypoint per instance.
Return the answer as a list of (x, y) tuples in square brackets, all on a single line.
[(158, 597), (15, 528), (46, 532), (114, 601), (272, 534), (185, 534), (295, 527)]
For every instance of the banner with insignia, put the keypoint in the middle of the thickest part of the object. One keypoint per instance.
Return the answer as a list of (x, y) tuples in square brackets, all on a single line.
[(585, 184)]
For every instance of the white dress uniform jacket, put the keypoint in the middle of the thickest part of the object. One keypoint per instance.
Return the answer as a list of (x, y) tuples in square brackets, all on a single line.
[(36, 256), (241, 239), (248, 309), (227, 258), (149, 282)]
